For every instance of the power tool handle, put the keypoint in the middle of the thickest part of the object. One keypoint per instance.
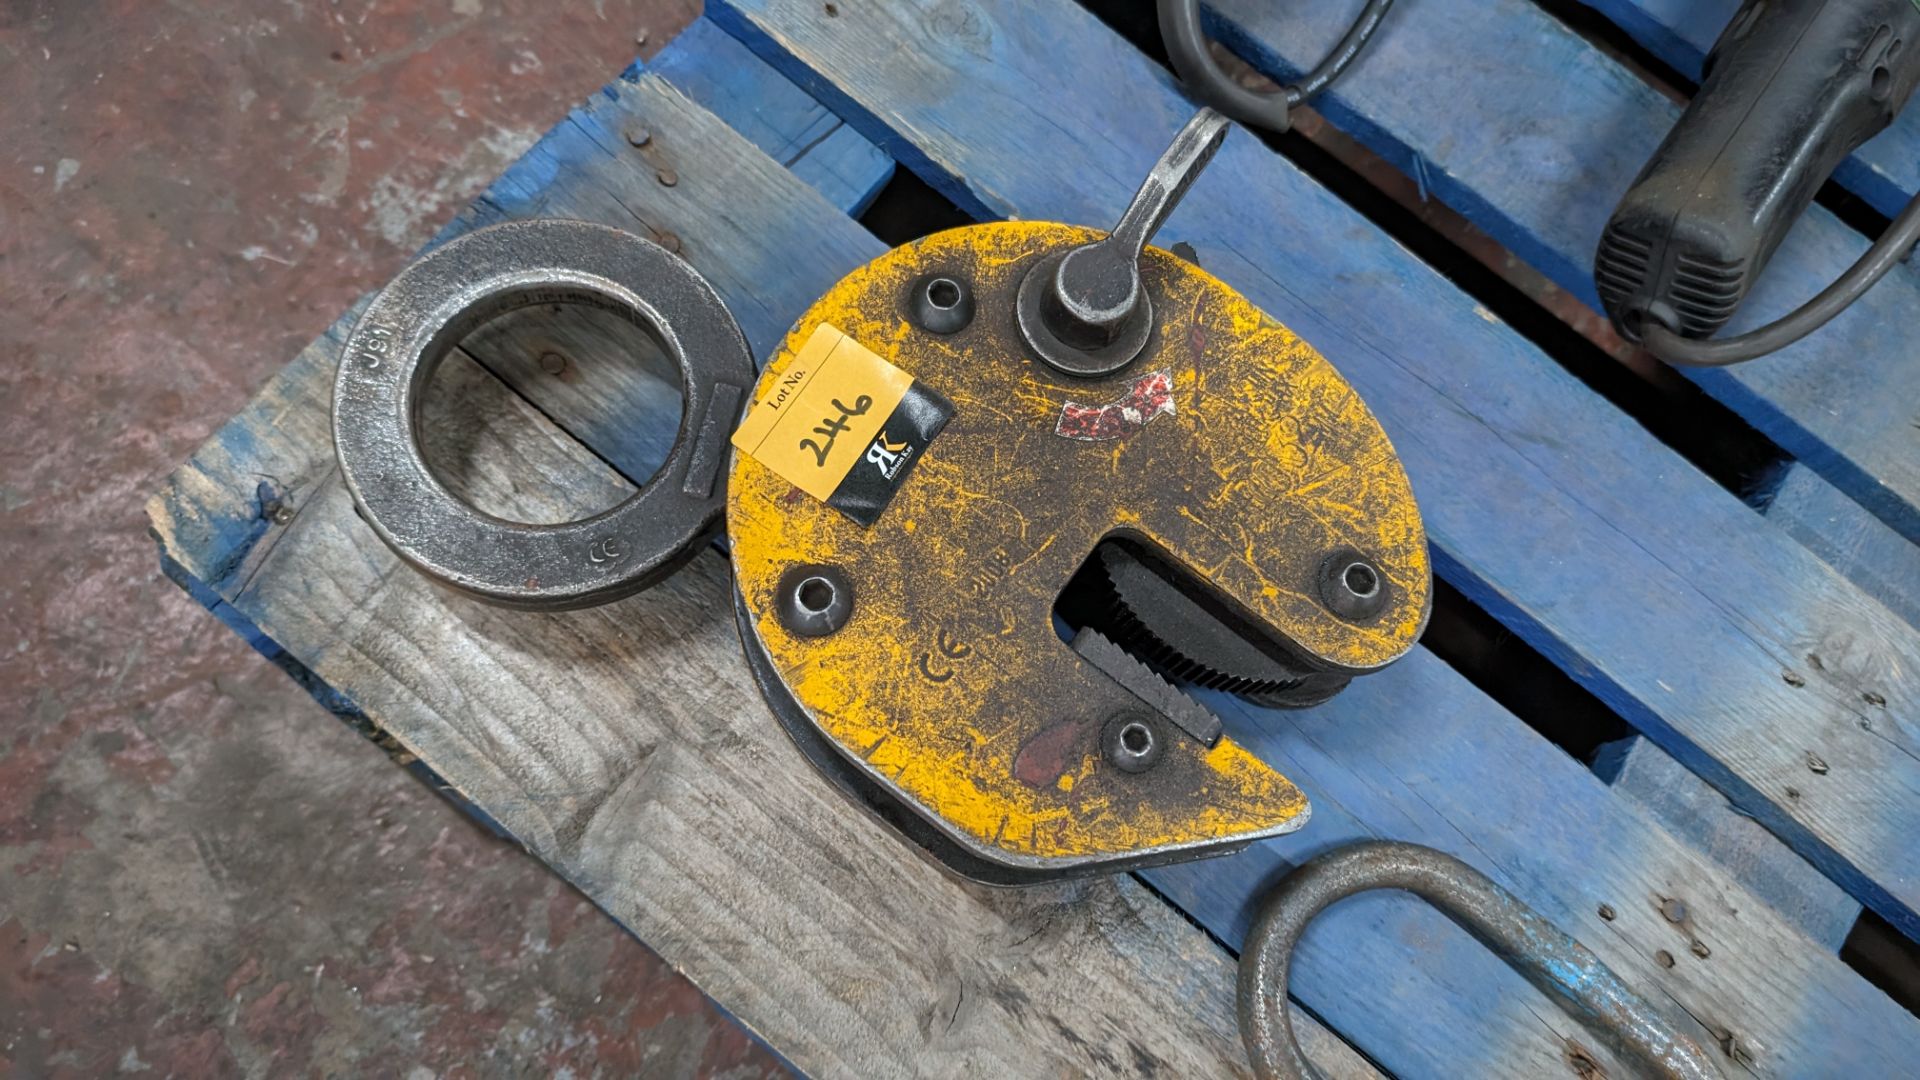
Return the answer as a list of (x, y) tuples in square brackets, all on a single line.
[(1791, 88)]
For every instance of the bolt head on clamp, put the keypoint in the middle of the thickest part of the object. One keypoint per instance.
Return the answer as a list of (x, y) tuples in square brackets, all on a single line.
[(1083, 311)]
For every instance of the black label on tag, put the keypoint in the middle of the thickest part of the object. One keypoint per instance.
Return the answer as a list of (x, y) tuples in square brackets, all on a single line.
[(883, 466)]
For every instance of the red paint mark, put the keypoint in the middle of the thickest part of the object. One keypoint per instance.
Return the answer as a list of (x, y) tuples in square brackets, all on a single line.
[(1050, 754), (1148, 396), (398, 983), (286, 1020), (1197, 332)]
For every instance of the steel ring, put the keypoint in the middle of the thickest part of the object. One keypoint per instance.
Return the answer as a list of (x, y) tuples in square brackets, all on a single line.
[(422, 314)]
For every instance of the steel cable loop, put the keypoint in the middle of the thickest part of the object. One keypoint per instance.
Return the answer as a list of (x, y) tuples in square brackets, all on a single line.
[(1186, 47), (1549, 959)]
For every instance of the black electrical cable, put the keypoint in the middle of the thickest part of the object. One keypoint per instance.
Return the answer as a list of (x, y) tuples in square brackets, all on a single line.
[(1187, 49), (1892, 246)]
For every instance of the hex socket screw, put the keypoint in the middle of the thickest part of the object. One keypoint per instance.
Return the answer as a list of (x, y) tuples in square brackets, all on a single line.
[(1132, 742), (1351, 585), (941, 303), (813, 601)]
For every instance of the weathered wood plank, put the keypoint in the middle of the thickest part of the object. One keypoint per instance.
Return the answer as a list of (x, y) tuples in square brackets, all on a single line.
[(727, 80), (1885, 172), (1654, 587), (1883, 563), (1542, 180), (628, 748), (1689, 809)]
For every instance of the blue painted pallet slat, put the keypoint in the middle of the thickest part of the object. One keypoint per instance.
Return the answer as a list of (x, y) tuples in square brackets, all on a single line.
[(1883, 563), (1388, 105), (1688, 808), (1533, 134), (1416, 753), (724, 76), (1885, 171), (1659, 591)]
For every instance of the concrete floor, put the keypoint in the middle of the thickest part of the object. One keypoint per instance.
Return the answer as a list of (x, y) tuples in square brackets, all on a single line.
[(202, 873)]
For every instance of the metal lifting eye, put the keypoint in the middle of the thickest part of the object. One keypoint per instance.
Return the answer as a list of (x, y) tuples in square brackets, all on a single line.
[(1558, 965)]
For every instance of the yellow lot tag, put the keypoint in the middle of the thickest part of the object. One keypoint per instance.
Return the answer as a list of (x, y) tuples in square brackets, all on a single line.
[(815, 423)]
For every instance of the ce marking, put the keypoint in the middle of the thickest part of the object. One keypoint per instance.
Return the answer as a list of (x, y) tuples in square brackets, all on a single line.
[(950, 649), (606, 550)]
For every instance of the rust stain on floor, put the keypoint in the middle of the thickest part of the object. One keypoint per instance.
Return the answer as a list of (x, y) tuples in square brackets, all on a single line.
[(201, 872)]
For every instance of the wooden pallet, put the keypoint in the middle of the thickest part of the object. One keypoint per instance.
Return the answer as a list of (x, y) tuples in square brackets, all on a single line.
[(1761, 656)]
